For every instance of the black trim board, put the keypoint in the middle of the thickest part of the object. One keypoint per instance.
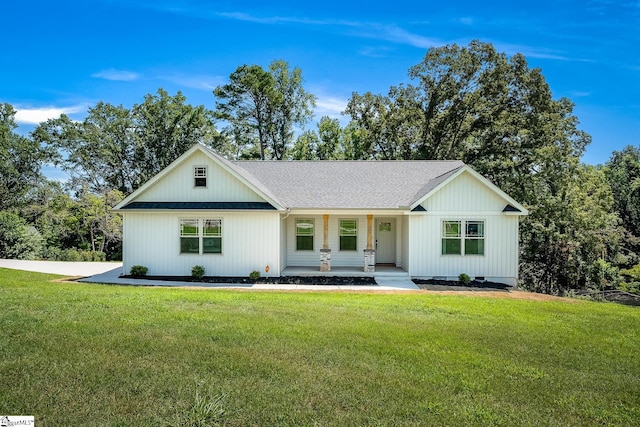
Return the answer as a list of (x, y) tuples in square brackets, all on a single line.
[(201, 205)]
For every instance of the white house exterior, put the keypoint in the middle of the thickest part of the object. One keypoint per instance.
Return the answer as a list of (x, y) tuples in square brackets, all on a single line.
[(433, 219)]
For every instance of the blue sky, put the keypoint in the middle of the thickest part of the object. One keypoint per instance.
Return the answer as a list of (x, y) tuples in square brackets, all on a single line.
[(65, 56)]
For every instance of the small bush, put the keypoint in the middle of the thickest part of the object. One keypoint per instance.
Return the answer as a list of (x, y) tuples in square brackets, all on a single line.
[(197, 272), (139, 271), (254, 275), (464, 278)]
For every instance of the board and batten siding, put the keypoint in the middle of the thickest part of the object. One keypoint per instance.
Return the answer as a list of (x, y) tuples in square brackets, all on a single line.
[(250, 241), (499, 262), (465, 198), (178, 185), (404, 259)]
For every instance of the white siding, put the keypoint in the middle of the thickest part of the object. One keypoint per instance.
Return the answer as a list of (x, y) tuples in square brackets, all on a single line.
[(465, 193), (178, 185), (250, 241), (499, 263), (283, 243)]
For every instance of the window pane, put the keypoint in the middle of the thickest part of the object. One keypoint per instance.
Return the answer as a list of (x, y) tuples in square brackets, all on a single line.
[(348, 243), (474, 247), (212, 227), (451, 247), (348, 227), (200, 172), (189, 245), (304, 243), (475, 228), (188, 227), (212, 245), (451, 229), (304, 227)]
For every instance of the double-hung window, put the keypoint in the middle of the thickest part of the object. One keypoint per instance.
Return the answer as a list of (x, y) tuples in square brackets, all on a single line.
[(462, 237), (348, 234), (304, 234), (200, 236), (200, 176)]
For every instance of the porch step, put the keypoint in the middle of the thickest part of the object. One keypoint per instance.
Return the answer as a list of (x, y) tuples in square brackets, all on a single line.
[(390, 272)]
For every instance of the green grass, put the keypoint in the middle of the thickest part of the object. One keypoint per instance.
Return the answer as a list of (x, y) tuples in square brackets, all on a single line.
[(81, 354)]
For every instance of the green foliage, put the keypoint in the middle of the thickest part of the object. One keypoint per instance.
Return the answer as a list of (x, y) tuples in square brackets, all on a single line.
[(17, 238), (21, 160), (464, 278), (197, 272), (138, 271), (261, 108), (254, 275)]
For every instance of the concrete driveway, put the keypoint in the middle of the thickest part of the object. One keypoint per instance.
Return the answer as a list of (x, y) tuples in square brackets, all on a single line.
[(64, 268)]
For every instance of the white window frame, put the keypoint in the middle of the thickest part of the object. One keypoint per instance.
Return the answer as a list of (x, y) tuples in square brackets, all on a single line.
[(312, 235), (200, 234), (341, 234), (463, 235), (200, 172)]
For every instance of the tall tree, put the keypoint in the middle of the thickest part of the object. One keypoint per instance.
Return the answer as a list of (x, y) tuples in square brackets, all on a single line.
[(623, 174), (118, 148), (264, 106), (21, 160), (496, 114), (165, 127)]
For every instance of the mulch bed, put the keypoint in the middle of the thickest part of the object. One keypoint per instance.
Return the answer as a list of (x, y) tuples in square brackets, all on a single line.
[(421, 283), (282, 280)]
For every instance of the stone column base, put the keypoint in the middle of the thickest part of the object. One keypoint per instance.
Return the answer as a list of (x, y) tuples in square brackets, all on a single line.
[(325, 259), (369, 261)]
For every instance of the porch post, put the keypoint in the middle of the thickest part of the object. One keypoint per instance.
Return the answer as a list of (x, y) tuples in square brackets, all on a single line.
[(369, 252), (325, 252)]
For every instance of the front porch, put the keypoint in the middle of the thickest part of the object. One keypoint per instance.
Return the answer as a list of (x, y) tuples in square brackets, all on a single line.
[(380, 271)]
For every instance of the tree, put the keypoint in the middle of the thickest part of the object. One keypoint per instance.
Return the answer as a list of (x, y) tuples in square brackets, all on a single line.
[(21, 160), (496, 114), (17, 238), (117, 148), (264, 106), (623, 174), (166, 127)]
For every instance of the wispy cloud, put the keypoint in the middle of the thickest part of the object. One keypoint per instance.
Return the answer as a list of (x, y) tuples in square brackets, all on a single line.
[(195, 81), (117, 75), (34, 116)]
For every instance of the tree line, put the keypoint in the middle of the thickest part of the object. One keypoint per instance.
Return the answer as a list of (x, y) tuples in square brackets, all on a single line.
[(471, 103)]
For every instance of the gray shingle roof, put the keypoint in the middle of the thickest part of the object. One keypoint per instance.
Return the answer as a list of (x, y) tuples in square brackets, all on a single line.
[(347, 184)]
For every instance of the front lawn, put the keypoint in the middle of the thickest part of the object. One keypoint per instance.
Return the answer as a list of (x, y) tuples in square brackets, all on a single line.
[(82, 354)]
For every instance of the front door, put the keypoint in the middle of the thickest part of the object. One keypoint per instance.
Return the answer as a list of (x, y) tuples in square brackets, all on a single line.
[(385, 230)]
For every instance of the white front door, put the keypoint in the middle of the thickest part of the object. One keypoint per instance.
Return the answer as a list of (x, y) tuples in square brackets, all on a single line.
[(385, 229)]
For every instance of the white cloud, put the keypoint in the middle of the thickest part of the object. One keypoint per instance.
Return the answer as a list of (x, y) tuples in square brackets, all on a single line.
[(332, 106), (116, 75), (36, 116), (195, 81)]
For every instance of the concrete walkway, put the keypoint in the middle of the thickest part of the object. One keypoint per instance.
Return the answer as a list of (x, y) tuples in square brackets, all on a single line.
[(109, 273)]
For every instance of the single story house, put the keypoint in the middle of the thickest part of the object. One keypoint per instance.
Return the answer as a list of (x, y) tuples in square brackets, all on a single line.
[(432, 219)]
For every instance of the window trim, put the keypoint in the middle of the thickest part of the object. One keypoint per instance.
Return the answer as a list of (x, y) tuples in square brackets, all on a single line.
[(341, 234), (201, 235), (200, 172), (312, 235), (463, 236)]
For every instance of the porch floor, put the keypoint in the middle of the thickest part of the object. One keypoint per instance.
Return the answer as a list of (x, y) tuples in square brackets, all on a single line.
[(381, 271)]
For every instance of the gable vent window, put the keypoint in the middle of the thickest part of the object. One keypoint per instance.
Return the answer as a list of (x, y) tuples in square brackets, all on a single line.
[(200, 176)]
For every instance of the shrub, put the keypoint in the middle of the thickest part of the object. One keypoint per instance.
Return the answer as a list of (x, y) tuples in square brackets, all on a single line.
[(197, 272), (464, 278), (139, 271), (254, 275)]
